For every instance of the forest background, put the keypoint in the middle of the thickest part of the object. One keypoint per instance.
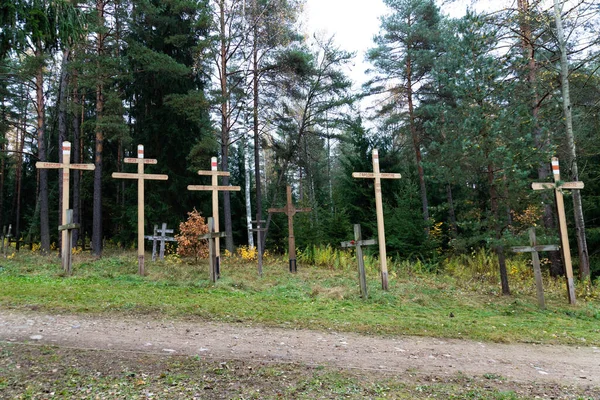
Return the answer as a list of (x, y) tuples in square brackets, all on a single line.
[(469, 110)]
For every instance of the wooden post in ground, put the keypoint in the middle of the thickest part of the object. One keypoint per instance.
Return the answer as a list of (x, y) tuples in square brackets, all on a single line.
[(6, 235), (141, 177), (558, 187), (290, 210), (534, 248), (379, 210), (212, 237), (215, 188), (259, 232), (68, 227), (66, 167), (358, 243)]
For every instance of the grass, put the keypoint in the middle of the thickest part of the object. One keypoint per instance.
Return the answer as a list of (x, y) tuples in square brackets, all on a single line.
[(457, 304), (45, 372)]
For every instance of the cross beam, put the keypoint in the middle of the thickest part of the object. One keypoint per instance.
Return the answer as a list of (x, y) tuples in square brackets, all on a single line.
[(215, 188), (378, 176), (358, 243), (290, 210), (66, 167), (534, 248), (558, 187), (141, 177)]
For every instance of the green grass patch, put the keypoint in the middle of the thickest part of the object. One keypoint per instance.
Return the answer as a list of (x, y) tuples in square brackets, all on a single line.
[(442, 304)]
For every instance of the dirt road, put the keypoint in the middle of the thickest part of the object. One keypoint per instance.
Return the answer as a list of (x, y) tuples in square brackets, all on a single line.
[(522, 363)]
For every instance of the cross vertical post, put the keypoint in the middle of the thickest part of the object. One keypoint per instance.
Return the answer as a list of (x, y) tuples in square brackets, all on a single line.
[(379, 210), (141, 177), (290, 210), (259, 231), (215, 188), (212, 237), (66, 167), (558, 187)]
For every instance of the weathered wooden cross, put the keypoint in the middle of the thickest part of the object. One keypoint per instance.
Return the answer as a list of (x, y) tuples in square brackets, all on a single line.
[(379, 210), (534, 248), (66, 167), (68, 227), (558, 187), (259, 232), (290, 210), (215, 188), (160, 235), (6, 236), (358, 243), (141, 177), (212, 237)]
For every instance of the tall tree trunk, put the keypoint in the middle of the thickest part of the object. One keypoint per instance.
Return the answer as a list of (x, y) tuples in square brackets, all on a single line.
[(99, 141), (584, 260), (255, 105), (416, 144), (77, 158), (62, 131), (247, 194), (41, 138), (20, 146), (225, 130), (498, 248), (451, 211)]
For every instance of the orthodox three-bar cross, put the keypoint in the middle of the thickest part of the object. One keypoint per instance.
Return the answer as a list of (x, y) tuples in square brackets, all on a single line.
[(358, 243), (558, 187), (378, 176), (215, 188), (290, 210), (141, 177), (534, 248), (66, 167)]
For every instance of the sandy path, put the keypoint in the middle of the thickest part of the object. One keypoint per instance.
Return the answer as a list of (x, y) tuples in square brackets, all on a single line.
[(522, 363)]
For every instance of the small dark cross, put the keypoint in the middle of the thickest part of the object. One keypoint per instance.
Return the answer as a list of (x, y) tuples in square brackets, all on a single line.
[(212, 253), (290, 210), (358, 243), (534, 248), (558, 187), (259, 232), (160, 235), (68, 227)]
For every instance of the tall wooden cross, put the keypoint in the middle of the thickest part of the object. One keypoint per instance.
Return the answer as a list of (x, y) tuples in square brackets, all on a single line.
[(215, 188), (558, 187), (379, 210), (358, 243), (290, 210), (141, 177), (66, 167), (534, 248)]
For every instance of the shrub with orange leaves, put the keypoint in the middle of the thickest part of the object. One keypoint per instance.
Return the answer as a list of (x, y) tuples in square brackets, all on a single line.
[(188, 243)]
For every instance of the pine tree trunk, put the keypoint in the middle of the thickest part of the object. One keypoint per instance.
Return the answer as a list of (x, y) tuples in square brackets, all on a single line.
[(43, 173), (99, 142), (20, 146), (62, 132), (77, 158), (451, 212), (584, 260), (255, 105), (247, 194)]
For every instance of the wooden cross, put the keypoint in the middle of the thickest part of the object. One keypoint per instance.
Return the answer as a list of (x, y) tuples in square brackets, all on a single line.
[(358, 243), (534, 248), (6, 236), (379, 210), (558, 187), (160, 235), (141, 177), (215, 188), (212, 237), (66, 167), (259, 232), (290, 211)]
